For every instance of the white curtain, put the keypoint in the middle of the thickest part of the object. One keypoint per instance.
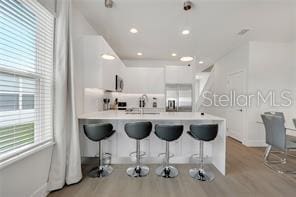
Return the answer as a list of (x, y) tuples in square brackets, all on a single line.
[(65, 164)]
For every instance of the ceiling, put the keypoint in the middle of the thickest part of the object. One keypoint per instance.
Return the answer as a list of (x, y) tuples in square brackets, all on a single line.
[(214, 25)]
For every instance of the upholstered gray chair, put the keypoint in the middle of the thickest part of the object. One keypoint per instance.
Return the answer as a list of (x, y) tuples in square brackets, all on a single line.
[(203, 133), (276, 138), (138, 131), (168, 133), (97, 133)]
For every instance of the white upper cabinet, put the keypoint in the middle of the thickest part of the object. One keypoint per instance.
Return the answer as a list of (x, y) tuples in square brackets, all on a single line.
[(179, 74), (99, 72), (143, 80)]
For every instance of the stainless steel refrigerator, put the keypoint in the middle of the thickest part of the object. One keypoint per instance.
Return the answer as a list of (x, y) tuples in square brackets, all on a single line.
[(179, 97)]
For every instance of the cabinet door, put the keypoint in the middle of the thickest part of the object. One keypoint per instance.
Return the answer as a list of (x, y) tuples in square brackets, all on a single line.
[(178, 74), (172, 74), (108, 75), (91, 61), (110, 68), (98, 72), (125, 145)]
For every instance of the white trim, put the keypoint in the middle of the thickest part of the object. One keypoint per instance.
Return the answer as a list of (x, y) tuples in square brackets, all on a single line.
[(255, 143), (243, 137), (23, 155), (41, 191)]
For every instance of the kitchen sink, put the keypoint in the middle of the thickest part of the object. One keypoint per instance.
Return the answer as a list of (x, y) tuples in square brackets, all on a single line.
[(145, 111), (142, 113)]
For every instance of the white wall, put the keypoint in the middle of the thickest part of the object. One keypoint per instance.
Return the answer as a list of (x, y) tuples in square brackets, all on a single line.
[(80, 27), (26, 177), (270, 69), (268, 66), (236, 60), (202, 78)]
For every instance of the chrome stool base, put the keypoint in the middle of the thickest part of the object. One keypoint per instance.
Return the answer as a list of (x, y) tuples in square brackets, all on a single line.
[(101, 171), (201, 174), (167, 171), (138, 171)]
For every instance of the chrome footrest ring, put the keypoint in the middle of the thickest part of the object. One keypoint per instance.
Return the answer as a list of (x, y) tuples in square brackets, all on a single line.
[(160, 154), (134, 154)]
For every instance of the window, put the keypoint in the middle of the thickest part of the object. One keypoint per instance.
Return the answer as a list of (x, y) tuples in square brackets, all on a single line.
[(26, 76)]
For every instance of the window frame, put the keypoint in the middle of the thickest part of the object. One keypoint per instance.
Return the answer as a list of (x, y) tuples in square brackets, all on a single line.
[(18, 153)]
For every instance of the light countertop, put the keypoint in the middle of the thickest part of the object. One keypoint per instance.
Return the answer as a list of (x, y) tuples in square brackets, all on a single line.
[(121, 115)]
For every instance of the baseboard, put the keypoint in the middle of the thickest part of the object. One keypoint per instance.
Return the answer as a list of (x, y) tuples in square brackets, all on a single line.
[(41, 191), (254, 143)]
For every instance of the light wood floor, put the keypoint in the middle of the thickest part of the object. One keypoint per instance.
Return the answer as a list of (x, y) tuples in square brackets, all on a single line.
[(247, 176)]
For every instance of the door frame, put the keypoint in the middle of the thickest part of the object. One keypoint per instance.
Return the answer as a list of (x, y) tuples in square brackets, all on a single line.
[(245, 110)]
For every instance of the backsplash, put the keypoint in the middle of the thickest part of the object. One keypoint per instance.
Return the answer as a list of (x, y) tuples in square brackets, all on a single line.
[(132, 100), (93, 99)]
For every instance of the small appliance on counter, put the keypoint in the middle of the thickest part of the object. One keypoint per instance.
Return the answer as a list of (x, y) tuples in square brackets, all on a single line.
[(115, 104), (106, 104), (154, 102), (121, 105)]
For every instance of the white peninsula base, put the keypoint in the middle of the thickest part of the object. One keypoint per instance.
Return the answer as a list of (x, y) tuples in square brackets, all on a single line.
[(120, 145)]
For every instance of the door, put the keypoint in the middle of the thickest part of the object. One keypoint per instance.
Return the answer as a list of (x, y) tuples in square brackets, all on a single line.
[(236, 84)]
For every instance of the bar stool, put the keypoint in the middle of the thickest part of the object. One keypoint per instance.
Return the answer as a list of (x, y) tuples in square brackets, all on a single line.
[(138, 131), (97, 133), (203, 133), (168, 133)]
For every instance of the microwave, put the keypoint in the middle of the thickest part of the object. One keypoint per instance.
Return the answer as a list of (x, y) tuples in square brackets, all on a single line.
[(118, 84)]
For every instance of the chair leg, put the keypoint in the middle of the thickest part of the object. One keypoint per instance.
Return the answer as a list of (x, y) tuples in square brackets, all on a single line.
[(201, 174), (101, 170), (138, 170), (281, 161), (166, 170)]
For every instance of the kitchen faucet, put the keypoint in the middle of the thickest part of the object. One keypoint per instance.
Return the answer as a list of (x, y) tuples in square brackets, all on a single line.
[(142, 100)]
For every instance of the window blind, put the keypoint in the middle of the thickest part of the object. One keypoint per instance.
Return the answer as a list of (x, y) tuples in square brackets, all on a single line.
[(26, 75)]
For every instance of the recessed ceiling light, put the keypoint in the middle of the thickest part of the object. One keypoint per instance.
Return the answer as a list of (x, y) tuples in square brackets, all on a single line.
[(107, 57), (185, 32), (200, 62), (139, 54), (133, 30), (186, 59), (174, 54)]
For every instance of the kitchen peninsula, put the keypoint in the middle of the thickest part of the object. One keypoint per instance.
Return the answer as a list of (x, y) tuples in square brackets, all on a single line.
[(120, 145)]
